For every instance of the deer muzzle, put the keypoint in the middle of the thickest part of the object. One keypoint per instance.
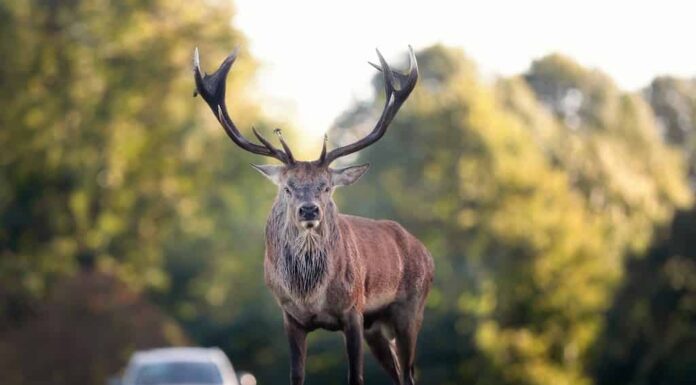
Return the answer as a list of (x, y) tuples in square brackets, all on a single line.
[(309, 215)]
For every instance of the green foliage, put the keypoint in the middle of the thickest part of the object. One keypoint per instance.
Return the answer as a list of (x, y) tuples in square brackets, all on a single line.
[(108, 161), (674, 103), (650, 336), (98, 139), (610, 146)]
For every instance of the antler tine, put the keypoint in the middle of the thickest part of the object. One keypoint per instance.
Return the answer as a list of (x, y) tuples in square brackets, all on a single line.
[(212, 90), (375, 65), (404, 79), (196, 68), (322, 156), (394, 98), (263, 140), (279, 132), (387, 74)]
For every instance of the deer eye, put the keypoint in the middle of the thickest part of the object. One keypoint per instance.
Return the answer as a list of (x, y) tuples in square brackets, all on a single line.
[(327, 189), (287, 190)]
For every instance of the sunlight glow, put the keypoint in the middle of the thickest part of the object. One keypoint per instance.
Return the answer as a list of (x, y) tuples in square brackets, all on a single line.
[(314, 54)]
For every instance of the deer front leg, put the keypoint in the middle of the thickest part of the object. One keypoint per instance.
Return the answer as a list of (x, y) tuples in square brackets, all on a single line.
[(297, 339), (353, 332)]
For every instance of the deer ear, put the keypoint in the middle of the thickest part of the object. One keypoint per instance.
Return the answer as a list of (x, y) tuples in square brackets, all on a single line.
[(348, 175), (270, 171)]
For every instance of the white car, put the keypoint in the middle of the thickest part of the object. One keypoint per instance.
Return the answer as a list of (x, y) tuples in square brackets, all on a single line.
[(179, 366)]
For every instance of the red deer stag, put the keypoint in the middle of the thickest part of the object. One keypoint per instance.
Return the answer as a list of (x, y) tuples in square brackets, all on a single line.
[(327, 270)]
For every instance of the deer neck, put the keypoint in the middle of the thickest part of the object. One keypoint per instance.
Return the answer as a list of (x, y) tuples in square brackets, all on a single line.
[(301, 257)]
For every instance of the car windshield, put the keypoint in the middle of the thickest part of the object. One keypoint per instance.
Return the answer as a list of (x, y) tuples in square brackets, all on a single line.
[(178, 373)]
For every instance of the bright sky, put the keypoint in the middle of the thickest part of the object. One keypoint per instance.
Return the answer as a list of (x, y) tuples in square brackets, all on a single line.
[(314, 54)]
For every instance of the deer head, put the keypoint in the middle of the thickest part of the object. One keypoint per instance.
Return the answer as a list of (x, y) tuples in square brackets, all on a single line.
[(305, 187)]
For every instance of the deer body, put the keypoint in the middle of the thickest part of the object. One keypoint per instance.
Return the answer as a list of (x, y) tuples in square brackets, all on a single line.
[(366, 278), (371, 266)]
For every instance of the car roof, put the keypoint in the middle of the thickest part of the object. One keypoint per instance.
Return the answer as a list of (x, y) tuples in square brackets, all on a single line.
[(178, 354)]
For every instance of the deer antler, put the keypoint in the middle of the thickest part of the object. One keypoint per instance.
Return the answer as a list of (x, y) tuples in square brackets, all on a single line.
[(393, 101), (212, 90)]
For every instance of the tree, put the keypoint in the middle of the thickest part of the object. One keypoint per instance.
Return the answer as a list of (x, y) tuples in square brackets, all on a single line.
[(610, 145), (93, 132), (109, 162), (83, 332), (673, 101), (649, 337)]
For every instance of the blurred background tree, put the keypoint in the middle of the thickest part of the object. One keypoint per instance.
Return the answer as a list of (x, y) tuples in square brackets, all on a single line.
[(650, 336), (106, 164), (128, 220), (674, 103)]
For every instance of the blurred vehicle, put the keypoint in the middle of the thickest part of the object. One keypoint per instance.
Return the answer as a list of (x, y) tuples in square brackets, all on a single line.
[(178, 366)]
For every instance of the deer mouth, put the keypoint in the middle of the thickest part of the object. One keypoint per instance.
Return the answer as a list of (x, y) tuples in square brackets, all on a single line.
[(307, 225)]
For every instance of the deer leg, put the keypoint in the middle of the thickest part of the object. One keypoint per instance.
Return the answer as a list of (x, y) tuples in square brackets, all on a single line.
[(297, 337), (406, 343), (407, 324), (353, 332), (384, 350)]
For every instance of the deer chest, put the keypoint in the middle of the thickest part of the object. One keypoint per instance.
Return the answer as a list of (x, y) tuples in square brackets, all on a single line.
[(305, 289)]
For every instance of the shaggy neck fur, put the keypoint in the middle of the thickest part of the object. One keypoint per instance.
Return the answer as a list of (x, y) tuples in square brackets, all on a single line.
[(302, 254)]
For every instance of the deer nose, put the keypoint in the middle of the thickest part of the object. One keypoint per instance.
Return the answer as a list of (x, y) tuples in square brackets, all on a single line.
[(309, 212)]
